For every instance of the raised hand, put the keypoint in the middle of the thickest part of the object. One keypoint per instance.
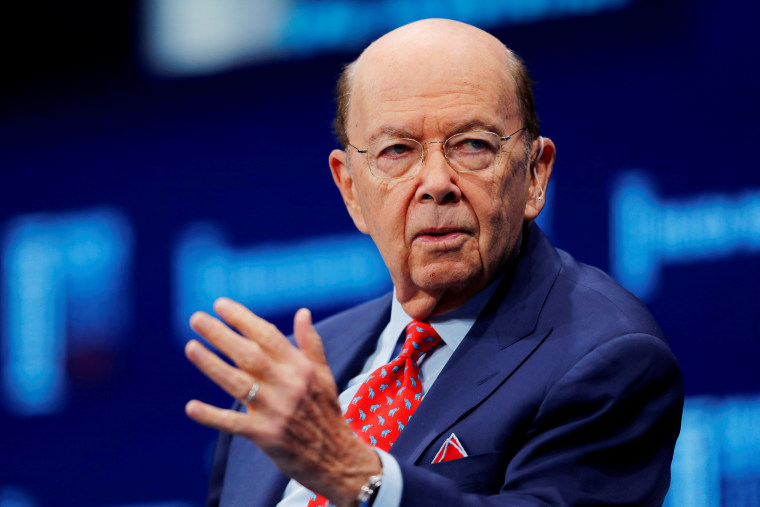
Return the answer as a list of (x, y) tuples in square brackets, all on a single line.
[(293, 413)]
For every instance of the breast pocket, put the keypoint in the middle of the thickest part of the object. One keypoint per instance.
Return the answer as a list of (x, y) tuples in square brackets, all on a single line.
[(481, 473)]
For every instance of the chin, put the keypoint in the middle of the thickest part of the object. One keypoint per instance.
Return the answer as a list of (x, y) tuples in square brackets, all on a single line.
[(444, 276)]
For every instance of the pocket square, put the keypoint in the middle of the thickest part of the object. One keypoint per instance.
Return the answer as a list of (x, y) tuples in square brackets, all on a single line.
[(451, 449)]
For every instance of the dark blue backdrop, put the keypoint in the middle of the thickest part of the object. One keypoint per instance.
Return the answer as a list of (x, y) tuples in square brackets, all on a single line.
[(131, 197)]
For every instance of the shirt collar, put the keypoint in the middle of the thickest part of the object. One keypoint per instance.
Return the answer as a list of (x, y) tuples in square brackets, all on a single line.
[(452, 326)]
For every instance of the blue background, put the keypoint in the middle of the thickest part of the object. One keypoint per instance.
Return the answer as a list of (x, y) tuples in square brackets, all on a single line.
[(135, 191)]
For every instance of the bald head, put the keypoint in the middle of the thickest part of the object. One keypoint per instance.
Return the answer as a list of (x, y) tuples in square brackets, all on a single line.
[(443, 51), (439, 39)]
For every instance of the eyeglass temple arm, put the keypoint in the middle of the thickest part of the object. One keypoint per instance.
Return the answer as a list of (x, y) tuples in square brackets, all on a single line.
[(357, 149), (510, 135)]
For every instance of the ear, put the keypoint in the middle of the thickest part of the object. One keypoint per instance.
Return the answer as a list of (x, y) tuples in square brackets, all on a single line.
[(345, 183), (539, 171)]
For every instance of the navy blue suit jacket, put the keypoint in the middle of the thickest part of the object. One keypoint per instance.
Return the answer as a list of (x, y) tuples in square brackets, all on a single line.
[(564, 392)]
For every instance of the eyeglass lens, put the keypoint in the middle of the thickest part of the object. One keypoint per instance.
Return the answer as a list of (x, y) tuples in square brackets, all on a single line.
[(401, 157)]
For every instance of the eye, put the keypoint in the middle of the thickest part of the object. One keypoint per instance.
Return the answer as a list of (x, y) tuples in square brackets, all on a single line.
[(474, 143), (396, 148)]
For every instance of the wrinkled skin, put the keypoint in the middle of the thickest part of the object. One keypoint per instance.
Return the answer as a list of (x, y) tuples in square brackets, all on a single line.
[(443, 235)]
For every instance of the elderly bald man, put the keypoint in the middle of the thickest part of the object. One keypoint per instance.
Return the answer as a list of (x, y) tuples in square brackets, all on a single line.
[(532, 379)]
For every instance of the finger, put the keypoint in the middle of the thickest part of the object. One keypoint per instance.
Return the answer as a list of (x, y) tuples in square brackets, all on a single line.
[(245, 353), (234, 381), (230, 421), (307, 338), (253, 327)]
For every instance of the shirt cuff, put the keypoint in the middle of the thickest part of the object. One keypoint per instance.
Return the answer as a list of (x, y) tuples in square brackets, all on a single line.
[(390, 491)]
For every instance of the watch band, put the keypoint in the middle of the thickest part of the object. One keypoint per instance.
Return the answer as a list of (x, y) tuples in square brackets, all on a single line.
[(369, 491)]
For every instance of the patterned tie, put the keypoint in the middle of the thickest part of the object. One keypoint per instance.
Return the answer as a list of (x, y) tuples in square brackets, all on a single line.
[(389, 396)]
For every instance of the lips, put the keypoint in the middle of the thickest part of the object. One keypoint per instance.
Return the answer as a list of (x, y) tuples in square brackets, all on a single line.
[(438, 234)]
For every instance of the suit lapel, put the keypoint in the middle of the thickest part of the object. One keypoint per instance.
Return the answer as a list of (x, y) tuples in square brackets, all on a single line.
[(351, 337), (503, 337)]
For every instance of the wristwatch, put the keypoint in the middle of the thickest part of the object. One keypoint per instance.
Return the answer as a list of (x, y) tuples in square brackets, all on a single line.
[(369, 491)]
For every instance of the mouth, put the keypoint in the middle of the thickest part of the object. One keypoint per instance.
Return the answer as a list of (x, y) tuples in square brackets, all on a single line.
[(439, 234)]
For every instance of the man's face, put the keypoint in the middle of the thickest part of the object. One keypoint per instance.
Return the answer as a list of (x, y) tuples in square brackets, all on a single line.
[(444, 235)]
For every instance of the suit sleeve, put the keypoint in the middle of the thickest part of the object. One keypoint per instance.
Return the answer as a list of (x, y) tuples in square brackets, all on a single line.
[(603, 435), (219, 466)]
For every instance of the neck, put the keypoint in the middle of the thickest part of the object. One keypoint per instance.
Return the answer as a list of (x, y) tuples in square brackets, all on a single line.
[(421, 304)]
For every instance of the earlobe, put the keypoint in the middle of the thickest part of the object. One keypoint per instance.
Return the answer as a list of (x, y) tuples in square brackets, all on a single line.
[(540, 170), (345, 182)]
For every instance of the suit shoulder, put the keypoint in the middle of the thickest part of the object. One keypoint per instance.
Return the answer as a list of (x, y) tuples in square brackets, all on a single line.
[(593, 300)]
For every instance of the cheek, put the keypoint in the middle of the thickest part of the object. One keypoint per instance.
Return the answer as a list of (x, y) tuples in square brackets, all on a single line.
[(385, 206), (500, 215)]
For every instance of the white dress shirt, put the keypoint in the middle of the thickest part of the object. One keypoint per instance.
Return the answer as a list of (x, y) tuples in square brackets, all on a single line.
[(452, 328)]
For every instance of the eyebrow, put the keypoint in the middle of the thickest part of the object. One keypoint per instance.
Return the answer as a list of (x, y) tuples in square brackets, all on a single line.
[(389, 131), (474, 125)]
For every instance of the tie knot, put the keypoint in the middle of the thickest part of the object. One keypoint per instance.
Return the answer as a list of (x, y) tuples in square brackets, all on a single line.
[(420, 338)]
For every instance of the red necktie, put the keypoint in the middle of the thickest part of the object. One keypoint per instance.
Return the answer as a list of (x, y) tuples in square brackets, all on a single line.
[(386, 400)]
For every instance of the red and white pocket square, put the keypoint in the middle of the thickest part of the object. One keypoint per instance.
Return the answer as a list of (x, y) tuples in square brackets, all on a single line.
[(451, 449)]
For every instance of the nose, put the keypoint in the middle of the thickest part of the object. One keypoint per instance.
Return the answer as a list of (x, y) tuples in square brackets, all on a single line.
[(437, 180)]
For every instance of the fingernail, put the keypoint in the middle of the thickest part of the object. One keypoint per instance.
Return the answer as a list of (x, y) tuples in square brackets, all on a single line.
[(191, 348), (196, 320), (192, 408), (222, 305), (305, 312)]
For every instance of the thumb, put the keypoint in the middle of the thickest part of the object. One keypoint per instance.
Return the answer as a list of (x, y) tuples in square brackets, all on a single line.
[(307, 338)]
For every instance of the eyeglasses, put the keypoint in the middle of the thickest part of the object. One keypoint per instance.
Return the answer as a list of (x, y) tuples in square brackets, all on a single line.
[(466, 152)]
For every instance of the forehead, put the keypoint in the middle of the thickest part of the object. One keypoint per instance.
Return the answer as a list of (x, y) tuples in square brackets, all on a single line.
[(433, 89)]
